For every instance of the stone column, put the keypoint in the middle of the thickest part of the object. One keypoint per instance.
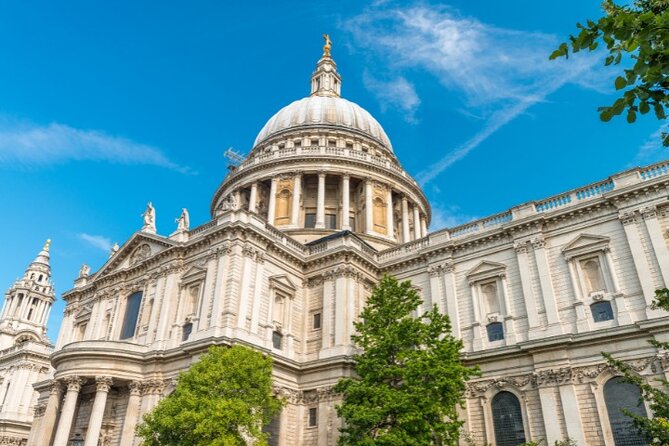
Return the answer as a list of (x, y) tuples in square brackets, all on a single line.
[(550, 414), (369, 207), (572, 413), (253, 197), (297, 195), (50, 415), (131, 413), (102, 386), (67, 414), (271, 208), (526, 285), (657, 242), (320, 202), (345, 203), (546, 283), (390, 224), (328, 316), (405, 220), (628, 220), (423, 225), (416, 222)]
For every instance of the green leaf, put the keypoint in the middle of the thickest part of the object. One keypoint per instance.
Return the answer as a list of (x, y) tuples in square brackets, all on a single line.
[(631, 116), (606, 114), (620, 83), (659, 110), (644, 107)]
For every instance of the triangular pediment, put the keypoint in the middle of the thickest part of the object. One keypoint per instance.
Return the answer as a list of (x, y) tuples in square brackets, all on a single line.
[(485, 267), (140, 247), (193, 273), (282, 281), (83, 314), (585, 243)]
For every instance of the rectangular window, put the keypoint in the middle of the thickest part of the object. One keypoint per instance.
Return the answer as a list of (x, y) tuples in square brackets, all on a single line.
[(314, 142), (313, 416), (131, 314), (495, 332), (309, 220), (602, 311), (349, 145), (297, 143), (331, 221), (187, 330), (332, 143), (317, 321), (277, 340)]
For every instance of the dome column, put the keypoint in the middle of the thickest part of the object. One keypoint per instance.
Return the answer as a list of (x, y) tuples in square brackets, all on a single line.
[(345, 202), (297, 195), (67, 414), (369, 224), (272, 202), (320, 202), (423, 225), (390, 224), (253, 198), (416, 222), (405, 220)]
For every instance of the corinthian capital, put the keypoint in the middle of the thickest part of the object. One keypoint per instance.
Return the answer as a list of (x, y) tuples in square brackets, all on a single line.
[(74, 383), (103, 383)]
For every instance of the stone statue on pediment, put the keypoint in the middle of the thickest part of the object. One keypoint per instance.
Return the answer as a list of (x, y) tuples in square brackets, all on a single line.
[(183, 222), (84, 271), (149, 216)]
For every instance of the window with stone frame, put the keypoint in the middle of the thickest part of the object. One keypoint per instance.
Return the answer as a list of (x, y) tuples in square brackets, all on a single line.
[(507, 419), (131, 315), (621, 396), (590, 266), (492, 321), (282, 293)]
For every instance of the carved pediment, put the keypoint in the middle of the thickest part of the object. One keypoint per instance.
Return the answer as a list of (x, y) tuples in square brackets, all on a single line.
[(84, 314), (585, 244), (140, 247), (485, 270), (193, 274), (282, 282)]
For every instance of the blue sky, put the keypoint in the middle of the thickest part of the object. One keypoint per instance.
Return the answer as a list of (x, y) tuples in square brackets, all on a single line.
[(104, 108)]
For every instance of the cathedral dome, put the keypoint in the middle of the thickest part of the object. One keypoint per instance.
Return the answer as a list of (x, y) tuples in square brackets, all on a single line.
[(322, 111)]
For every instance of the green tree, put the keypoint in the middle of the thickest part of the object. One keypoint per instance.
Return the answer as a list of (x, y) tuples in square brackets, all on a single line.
[(639, 30), (409, 374), (656, 429), (224, 399)]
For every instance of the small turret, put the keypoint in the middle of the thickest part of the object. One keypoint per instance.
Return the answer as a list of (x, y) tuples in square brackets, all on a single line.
[(325, 81), (28, 303)]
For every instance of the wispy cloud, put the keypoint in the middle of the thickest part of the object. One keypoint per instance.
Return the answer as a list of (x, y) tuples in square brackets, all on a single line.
[(499, 73), (97, 241), (449, 217), (32, 145), (397, 92), (652, 150)]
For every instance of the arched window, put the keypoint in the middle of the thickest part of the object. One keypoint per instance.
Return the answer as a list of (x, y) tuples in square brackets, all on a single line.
[(131, 314), (283, 207), (495, 331), (601, 311), (379, 215), (508, 420), (620, 395)]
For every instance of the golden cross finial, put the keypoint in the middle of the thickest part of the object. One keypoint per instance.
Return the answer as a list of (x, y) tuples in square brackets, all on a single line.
[(328, 45), (47, 244)]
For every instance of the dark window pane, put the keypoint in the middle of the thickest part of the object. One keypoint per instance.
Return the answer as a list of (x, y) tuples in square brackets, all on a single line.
[(508, 420), (620, 395), (131, 314), (313, 416), (309, 220), (317, 321), (331, 221), (495, 331), (187, 330), (277, 340), (601, 311)]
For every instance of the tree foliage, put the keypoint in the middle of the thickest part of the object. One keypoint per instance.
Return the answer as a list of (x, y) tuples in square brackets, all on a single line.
[(639, 30), (409, 375), (656, 429), (224, 399)]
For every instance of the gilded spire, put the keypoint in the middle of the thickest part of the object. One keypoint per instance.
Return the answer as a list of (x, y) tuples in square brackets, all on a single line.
[(47, 245), (325, 81), (328, 45)]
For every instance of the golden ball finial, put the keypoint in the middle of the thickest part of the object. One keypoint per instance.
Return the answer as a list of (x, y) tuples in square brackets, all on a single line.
[(47, 245), (328, 45)]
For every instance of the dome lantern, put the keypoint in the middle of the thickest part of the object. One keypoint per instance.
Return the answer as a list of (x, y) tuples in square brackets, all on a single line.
[(325, 81)]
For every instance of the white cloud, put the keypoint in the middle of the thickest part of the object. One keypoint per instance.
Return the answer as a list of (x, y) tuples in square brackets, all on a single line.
[(652, 150), (448, 217), (498, 72), (32, 145), (397, 92), (97, 241)]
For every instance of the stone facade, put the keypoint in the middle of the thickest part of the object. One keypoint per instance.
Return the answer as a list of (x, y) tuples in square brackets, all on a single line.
[(300, 233)]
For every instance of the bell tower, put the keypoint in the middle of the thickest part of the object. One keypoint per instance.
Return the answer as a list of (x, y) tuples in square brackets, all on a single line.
[(28, 303)]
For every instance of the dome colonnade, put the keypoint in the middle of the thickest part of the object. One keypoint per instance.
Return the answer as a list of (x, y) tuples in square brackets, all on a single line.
[(324, 164)]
